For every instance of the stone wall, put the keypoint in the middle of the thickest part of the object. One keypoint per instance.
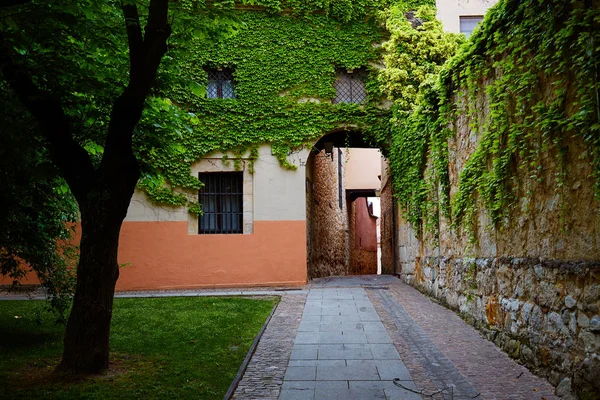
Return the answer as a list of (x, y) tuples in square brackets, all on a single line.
[(386, 223), (533, 286), (327, 221)]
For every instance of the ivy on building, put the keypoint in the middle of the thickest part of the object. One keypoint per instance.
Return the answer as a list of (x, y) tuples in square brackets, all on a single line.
[(284, 62)]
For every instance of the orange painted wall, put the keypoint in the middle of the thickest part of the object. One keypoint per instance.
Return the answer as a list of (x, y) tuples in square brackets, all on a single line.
[(163, 256)]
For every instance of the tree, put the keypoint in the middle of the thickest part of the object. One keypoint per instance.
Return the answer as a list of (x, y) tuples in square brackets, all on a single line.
[(103, 187)]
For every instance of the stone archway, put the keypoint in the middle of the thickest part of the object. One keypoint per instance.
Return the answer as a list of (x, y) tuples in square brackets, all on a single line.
[(341, 227)]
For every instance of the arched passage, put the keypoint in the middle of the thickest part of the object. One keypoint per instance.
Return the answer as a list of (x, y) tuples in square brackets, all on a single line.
[(343, 174)]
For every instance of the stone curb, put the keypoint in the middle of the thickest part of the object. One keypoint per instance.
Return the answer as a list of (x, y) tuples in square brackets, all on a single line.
[(250, 353)]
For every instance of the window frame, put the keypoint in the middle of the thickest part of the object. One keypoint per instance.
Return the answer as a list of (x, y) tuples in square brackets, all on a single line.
[(465, 18), (219, 76), (351, 76), (222, 227)]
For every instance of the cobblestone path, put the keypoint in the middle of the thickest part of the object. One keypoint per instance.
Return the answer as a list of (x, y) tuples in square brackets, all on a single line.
[(264, 375), (352, 336)]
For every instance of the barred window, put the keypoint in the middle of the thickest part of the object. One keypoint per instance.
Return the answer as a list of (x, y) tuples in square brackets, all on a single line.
[(350, 87), (220, 84), (221, 199)]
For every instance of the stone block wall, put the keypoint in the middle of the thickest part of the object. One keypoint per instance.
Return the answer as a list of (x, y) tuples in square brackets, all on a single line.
[(328, 245), (541, 312), (533, 284)]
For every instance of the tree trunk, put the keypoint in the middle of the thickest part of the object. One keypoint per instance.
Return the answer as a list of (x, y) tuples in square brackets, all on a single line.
[(86, 343)]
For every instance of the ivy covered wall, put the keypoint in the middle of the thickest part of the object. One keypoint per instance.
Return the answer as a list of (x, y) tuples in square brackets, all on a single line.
[(496, 169), (284, 66)]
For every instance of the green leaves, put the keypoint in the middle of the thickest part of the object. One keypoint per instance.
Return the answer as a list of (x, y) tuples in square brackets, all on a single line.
[(197, 89), (284, 72), (524, 95)]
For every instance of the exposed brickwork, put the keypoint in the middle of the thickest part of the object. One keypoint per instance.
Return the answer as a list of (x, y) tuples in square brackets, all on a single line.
[(264, 376), (386, 224)]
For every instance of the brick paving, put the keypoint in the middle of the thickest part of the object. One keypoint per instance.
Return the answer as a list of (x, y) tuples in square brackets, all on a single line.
[(263, 378), (419, 373), (483, 365)]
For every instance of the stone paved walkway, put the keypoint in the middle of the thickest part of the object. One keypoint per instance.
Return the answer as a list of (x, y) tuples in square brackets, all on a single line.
[(342, 351), (354, 335)]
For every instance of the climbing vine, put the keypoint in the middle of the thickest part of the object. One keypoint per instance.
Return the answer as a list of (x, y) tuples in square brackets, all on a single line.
[(284, 63), (525, 84), (415, 53)]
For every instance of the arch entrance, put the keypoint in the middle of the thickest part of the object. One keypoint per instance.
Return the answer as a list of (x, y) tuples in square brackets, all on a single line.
[(343, 213)]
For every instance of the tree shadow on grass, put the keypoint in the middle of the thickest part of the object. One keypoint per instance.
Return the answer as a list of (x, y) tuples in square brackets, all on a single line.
[(19, 338)]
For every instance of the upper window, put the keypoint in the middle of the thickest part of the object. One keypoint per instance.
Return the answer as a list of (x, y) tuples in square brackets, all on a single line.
[(350, 87), (221, 198), (220, 84), (468, 24)]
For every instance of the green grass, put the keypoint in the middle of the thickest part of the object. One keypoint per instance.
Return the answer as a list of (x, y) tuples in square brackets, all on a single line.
[(163, 348)]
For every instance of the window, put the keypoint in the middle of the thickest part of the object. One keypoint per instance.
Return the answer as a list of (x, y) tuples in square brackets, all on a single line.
[(350, 87), (221, 199), (468, 24), (220, 84)]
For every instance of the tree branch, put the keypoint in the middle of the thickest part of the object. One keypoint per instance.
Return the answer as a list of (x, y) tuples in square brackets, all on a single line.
[(134, 33), (8, 3), (71, 159), (145, 56)]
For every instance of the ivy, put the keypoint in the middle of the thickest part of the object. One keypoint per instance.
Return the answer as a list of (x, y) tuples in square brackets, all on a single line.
[(538, 64), (416, 51), (284, 65)]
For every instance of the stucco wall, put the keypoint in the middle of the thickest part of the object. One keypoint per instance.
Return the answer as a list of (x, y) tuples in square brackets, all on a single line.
[(363, 168), (329, 252), (363, 239), (450, 11), (162, 248)]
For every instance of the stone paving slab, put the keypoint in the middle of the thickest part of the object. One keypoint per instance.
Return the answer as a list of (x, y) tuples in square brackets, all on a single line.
[(426, 347), (342, 351)]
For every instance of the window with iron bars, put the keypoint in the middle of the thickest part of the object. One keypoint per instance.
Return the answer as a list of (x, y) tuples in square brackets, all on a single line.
[(221, 199), (220, 84), (350, 87)]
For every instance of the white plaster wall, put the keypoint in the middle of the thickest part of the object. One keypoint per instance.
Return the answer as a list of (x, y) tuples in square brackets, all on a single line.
[(449, 11), (279, 194), (142, 209), (271, 193), (363, 168)]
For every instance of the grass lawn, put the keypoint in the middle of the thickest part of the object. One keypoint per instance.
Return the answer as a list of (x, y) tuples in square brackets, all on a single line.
[(162, 348)]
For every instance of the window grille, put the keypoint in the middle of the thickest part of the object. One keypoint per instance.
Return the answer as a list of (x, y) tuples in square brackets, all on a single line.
[(220, 84), (221, 199), (350, 87)]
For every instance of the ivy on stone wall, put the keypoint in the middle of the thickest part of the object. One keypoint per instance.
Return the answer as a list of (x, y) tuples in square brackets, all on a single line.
[(284, 59), (527, 81), (417, 50)]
